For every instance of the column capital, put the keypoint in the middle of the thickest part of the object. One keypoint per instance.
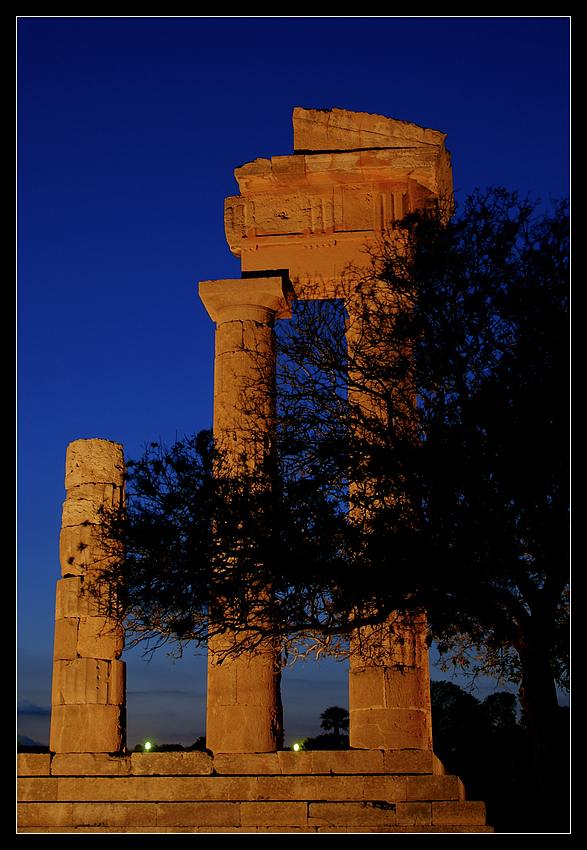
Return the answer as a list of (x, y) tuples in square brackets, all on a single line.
[(259, 298)]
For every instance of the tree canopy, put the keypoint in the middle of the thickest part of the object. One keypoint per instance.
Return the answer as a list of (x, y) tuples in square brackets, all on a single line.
[(454, 428), (422, 463)]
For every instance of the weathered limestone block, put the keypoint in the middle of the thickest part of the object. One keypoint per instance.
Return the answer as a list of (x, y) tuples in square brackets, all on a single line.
[(122, 816), (99, 637), (339, 129), (249, 763), (388, 728), (81, 627), (87, 681), (351, 814), (388, 688), (71, 599), (33, 764), (90, 764), (65, 641), (92, 637), (286, 814), (47, 816), (87, 728), (84, 501), (435, 788), (94, 462), (80, 549), (214, 814), (465, 813), (414, 814), (37, 788), (194, 763)]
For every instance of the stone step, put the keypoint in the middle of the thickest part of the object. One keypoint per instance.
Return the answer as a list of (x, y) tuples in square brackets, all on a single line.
[(267, 816), (288, 763), (196, 792), (389, 789)]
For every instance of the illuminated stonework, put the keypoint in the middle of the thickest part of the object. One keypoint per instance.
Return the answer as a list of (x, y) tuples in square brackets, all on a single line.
[(297, 225), (351, 176), (89, 696)]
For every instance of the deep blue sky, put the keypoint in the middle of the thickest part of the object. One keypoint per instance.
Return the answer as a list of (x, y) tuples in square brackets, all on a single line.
[(129, 131)]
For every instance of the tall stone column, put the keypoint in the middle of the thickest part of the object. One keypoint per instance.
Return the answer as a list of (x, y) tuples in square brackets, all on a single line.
[(244, 701), (88, 702), (389, 677)]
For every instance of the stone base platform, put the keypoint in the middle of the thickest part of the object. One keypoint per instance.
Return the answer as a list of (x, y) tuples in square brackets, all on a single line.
[(345, 791)]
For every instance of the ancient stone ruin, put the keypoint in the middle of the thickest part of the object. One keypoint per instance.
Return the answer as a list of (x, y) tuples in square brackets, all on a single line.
[(297, 224)]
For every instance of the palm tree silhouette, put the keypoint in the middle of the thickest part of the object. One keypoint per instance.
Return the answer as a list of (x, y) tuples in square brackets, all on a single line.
[(335, 718)]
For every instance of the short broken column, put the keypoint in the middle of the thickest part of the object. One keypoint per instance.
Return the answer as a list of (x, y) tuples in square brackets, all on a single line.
[(244, 713), (89, 693)]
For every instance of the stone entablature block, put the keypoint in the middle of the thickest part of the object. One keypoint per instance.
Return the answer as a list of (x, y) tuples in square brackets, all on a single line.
[(352, 176)]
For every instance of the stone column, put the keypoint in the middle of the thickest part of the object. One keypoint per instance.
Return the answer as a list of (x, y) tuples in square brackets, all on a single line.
[(389, 678), (244, 702), (389, 687), (88, 702)]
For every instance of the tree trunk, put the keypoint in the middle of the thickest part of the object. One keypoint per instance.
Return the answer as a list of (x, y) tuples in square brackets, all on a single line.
[(538, 699)]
